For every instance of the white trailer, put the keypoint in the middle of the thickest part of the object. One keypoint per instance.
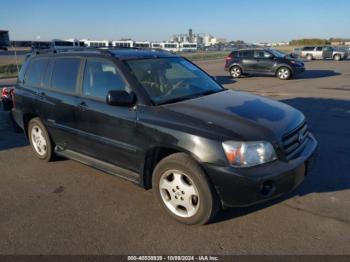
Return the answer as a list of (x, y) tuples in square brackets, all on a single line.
[(171, 47), (96, 43), (123, 43), (188, 47), (142, 44)]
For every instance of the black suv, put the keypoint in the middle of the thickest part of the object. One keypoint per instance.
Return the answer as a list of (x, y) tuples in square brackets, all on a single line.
[(158, 120), (263, 62)]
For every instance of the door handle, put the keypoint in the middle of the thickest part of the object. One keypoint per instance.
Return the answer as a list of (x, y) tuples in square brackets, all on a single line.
[(41, 95), (83, 106)]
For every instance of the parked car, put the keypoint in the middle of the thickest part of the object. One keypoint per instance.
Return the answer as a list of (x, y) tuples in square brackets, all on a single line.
[(317, 52), (6, 98), (296, 52), (263, 62), (339, 53), (158, 120)]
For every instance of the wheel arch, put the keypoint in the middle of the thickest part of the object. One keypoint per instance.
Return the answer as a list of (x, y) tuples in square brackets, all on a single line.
[(153, 156), (26, 119), (236, 64)]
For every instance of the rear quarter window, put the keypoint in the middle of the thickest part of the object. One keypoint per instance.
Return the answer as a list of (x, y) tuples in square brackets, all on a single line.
[(65, 74), (35, 72), (249, 53)]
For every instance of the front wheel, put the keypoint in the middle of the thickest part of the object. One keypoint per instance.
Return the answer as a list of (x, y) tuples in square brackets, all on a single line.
[(183, 190), (284, 73), (337, 58), (40, 140)]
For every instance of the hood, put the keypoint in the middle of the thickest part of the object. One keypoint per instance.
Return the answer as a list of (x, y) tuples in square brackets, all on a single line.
[(237, 115)]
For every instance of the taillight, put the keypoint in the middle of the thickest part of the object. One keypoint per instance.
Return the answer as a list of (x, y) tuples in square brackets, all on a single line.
[(229, 57), (4, 92)]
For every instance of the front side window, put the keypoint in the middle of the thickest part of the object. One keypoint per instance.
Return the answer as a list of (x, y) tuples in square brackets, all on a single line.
[(261, 54), (319, 48), (35, 72), (65, 74), (100, 77), (171, 79)]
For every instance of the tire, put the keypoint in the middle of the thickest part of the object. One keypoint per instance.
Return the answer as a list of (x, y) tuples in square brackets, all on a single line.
[(178, 178), (337, 57), (284, 73), (40, 140), (309, 57), (235, 72)]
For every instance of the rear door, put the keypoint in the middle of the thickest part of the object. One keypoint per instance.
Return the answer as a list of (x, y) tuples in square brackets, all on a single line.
[(106, 132), (58, 98), (247, 60), (265, 61)]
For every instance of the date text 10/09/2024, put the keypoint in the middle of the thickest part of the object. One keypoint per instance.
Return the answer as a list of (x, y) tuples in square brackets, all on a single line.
[(173, 258)]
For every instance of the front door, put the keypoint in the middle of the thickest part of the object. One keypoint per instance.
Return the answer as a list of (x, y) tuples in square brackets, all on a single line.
[(265, 61), (106, 132)]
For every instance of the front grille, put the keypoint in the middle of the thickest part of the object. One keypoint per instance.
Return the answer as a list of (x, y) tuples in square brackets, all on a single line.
[(295, 140)]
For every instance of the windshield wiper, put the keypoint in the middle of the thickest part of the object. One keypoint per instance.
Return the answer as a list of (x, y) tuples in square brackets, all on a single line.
[(179, 99)]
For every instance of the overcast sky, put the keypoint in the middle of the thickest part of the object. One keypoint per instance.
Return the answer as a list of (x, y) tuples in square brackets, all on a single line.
[(154, 20)]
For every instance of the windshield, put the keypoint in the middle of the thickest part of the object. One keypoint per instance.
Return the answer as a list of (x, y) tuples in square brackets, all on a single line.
[(277, 53), (172, 79)]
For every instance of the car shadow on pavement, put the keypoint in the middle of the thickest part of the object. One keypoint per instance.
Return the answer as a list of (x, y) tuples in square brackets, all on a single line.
[(308, 74), (10, 137), (329, 122), (224, 80)]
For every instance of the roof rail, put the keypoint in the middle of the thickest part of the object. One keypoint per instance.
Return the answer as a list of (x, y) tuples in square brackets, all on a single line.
[(65, 50)]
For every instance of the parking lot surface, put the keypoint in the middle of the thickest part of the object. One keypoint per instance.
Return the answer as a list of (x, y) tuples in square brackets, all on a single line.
[(64, 207)]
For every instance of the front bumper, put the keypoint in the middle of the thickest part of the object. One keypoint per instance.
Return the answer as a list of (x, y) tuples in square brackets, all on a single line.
[(298, 70), (247, 186)]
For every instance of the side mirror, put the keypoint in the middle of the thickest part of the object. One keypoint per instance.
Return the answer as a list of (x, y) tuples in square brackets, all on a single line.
[(120, 98)]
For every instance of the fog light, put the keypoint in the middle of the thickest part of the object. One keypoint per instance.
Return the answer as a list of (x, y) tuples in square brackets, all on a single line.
[(267, 188)]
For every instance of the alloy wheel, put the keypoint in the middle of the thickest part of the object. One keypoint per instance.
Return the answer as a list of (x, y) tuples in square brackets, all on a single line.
[(179, 193), (38, 140)]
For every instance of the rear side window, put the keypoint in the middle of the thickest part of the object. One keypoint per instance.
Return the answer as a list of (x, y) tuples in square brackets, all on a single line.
[(319, 48), (65, 74), (35, 72), (101, 76), (308, 48), (246, 53)]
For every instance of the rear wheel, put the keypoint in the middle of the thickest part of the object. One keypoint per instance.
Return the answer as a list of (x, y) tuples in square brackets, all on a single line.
[(284, 73), (309, 57), (40, 140), (183, 190), (235, 71), (337, 57)]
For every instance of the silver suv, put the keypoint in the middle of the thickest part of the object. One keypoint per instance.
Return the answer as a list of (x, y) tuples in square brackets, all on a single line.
[(322, 52)]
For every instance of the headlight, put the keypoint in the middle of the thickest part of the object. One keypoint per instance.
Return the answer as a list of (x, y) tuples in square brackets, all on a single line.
[(245, 154)]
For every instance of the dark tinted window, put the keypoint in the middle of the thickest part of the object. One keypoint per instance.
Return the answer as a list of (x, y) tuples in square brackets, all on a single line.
[(35, 72), (47, 75), (308, 48), (65, 74), (246, 53), (261, 54), (319, 48), (100, 77)]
